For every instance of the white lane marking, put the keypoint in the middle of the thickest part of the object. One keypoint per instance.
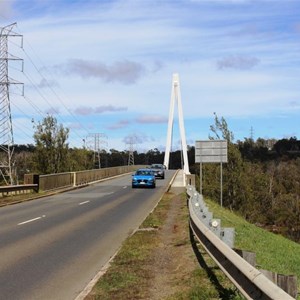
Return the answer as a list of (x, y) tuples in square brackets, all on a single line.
[(31, 220), (125, 187), (84, 202)]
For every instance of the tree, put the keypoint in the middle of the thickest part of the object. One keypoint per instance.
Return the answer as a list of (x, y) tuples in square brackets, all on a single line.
[(233, 170), (51, 153), (221, 128), (80, 159)]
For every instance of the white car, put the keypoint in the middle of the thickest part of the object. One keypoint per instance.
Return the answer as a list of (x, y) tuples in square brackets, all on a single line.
[(159, 170)]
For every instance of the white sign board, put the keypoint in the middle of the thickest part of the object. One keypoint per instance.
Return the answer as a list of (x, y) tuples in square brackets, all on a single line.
[(211, 151)]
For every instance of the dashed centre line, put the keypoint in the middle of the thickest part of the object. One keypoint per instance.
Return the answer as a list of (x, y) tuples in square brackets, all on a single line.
[(31, 220), (84, 202)]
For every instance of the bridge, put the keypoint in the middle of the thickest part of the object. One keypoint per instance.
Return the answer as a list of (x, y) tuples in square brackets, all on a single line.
[(45, 242)]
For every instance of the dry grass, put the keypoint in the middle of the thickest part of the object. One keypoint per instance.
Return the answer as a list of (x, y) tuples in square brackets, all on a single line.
[(18, 197)]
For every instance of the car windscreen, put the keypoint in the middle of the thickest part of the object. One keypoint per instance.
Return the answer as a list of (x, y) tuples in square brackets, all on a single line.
[(157, 166), (143, 173)]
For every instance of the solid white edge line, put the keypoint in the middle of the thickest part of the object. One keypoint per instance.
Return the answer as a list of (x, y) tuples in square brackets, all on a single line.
[(92, 283), (28, 221)]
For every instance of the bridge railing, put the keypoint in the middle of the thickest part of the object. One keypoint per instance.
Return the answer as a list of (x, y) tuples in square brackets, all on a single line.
[(18, 189), (251, 282), (72, 179), (83, 177)]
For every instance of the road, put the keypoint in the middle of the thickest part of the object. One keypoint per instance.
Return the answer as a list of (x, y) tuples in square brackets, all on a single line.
[(52, 247)]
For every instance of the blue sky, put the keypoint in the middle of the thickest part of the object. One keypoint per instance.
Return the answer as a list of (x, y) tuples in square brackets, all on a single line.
[(106, 67)]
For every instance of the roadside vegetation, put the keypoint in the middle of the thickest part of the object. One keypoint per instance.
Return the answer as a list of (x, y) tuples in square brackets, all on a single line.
[(261, 181), (11, 199), (25, 196)]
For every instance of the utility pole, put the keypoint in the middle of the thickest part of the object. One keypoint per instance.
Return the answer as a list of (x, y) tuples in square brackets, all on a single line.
[(94, 139), (6, 130)]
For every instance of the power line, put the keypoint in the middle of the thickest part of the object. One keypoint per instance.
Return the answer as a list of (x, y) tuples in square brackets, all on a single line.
[(46, 100), (41, 94), (53, 91), (35, 107), (47, 83)]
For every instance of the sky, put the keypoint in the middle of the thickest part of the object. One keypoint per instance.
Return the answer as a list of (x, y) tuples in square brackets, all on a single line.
[(105, 68)]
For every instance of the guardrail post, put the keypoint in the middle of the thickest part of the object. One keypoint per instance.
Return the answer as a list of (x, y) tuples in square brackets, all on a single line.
[(228, 236), (190, 179), (286, 282), (248, 256)]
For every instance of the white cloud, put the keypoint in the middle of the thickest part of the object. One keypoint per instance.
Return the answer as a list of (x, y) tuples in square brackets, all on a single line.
[(85, 110), (126, 72), (118, 125), (237, 62), (151, 119), (137, 138), (44, 83), (53, 111)]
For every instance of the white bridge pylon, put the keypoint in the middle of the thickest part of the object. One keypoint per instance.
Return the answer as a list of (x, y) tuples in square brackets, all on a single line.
[(176, 98)]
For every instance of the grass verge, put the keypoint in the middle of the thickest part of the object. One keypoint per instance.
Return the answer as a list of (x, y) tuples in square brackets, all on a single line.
[(273, 252), (21, 197)]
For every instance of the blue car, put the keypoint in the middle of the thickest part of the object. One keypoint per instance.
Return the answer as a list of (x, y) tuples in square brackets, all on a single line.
[(143, 178)]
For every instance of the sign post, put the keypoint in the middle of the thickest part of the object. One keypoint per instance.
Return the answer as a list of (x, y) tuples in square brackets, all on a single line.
[(212, 151)]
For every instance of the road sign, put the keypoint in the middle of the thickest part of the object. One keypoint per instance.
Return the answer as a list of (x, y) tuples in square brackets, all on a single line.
[(211, 151)]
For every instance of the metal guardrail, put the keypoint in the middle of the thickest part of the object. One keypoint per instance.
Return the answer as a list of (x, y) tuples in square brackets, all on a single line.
[(250, 282), (17, 188)]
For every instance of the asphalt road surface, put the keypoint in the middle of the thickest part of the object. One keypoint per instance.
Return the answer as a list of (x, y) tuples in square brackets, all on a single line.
[(52, 247)]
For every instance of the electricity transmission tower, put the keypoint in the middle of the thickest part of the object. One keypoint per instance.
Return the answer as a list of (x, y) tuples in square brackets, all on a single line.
[(131, 142), (6, 130), (176, 97), (94, 139), (252, 133)]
